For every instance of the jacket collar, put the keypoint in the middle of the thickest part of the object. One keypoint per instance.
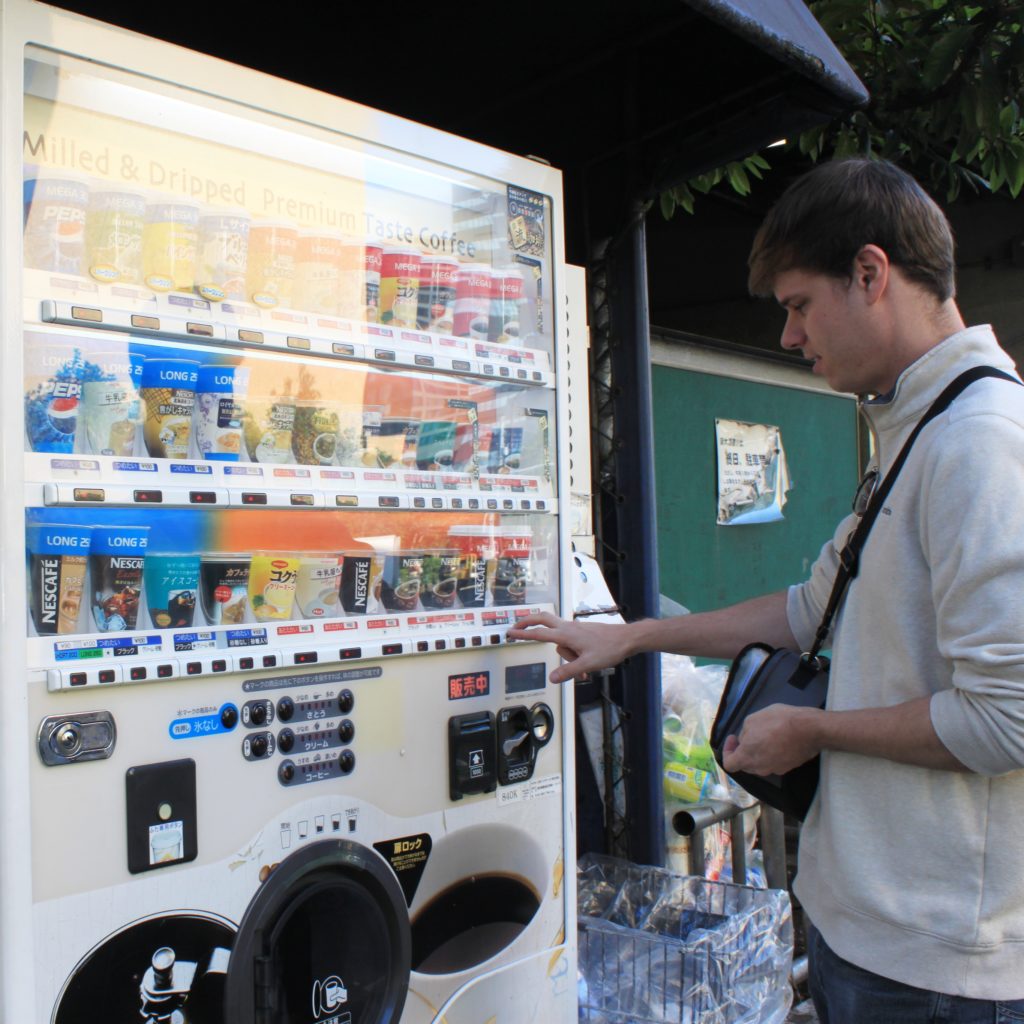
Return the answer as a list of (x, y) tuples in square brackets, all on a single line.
[(921, 382)]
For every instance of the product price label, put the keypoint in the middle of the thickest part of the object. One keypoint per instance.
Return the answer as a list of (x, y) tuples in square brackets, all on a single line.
[(246, 637), (186, 468), (194, 641), (135, 467)]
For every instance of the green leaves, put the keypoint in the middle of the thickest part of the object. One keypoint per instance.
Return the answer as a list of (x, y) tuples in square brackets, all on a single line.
[(944, 78)]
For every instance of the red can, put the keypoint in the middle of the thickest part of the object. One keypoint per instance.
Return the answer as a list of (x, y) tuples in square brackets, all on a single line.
[(437, 294), (472, 301), (506, 301)]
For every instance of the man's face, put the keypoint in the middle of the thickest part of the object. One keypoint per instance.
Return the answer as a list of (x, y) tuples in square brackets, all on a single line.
[(827, 321)]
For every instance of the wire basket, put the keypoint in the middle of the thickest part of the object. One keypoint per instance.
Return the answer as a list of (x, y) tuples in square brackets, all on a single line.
[(656, 947)]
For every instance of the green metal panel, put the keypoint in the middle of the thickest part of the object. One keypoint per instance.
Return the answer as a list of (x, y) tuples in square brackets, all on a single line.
[(703, 565)]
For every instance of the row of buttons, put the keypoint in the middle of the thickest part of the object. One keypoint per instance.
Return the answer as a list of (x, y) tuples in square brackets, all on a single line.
[(55, 494), (370, 351), (105, 674)]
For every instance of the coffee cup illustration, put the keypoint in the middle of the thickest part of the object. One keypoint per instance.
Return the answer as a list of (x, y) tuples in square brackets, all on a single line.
[(402, 581)]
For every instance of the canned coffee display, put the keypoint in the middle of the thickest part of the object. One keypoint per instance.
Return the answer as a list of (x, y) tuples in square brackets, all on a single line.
[(55, 210), (472, 301), (506, 302), (399, 287), (402, 581), (58, 556), (170, 241), (439, 579), (117, 559), (436, 310), (224, 588), (356, 581), (114, 224), (318, 263), (270, 265)]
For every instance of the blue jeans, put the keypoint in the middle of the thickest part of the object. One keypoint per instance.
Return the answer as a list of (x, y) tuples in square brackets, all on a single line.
[(846, 994)]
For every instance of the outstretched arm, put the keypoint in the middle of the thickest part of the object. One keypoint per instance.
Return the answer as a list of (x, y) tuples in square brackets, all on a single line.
[(589, 646)]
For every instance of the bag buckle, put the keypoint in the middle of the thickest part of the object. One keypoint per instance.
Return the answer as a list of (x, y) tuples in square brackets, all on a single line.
[(850, 561)]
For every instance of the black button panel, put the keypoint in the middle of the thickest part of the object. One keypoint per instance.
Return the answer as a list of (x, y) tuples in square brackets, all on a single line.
[(258, 746)]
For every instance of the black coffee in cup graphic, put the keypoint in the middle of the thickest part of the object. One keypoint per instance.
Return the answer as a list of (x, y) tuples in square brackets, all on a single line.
[(402, 581), (439, 579)]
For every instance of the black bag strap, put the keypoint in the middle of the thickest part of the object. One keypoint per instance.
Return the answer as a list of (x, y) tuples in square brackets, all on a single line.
[(849, 557)]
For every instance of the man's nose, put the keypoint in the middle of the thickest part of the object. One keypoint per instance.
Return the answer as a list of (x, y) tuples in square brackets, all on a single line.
[(792, 335)]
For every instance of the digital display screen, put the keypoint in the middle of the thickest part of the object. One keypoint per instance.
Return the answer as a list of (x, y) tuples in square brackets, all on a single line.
[(520, 678)]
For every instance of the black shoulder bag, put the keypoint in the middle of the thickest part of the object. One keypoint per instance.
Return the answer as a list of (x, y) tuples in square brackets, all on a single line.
[(762, 675)]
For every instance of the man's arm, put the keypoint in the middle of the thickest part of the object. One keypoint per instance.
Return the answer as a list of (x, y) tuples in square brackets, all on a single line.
[(589, 646), (780, 737)]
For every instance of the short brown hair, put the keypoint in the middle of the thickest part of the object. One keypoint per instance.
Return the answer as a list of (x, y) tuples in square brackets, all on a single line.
[(827, 216)]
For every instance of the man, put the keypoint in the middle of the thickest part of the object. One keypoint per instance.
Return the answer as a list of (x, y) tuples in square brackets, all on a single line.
[(911, 866)]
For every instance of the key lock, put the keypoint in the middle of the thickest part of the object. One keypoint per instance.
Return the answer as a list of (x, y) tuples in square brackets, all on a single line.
[(67, 739), (168, 983), (522, 732)]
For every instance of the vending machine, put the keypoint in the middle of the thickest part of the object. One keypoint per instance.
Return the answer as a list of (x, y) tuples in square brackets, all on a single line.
[(284, 442)]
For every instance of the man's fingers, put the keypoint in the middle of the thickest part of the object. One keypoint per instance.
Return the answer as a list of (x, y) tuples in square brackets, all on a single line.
[(539, 619)]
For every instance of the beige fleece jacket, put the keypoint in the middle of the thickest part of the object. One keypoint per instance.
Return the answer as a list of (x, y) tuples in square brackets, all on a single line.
[(917, 874)]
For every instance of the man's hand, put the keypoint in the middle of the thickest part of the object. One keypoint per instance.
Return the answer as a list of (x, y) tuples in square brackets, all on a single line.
[(585, 647), (774, 741)]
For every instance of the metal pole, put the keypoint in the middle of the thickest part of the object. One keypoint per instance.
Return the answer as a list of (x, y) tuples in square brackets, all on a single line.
[(638, 591)]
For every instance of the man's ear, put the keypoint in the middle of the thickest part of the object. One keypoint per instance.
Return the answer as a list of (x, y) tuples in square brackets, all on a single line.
[(871, 272)]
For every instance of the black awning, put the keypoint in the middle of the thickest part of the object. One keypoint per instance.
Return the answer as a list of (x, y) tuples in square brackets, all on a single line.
[(787, 30)]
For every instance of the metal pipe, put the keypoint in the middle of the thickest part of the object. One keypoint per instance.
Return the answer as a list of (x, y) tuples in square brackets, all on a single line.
[(773, 846), (698, 817)]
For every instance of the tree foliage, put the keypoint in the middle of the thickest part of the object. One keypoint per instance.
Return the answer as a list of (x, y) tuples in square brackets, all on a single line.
[(946, 80)]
